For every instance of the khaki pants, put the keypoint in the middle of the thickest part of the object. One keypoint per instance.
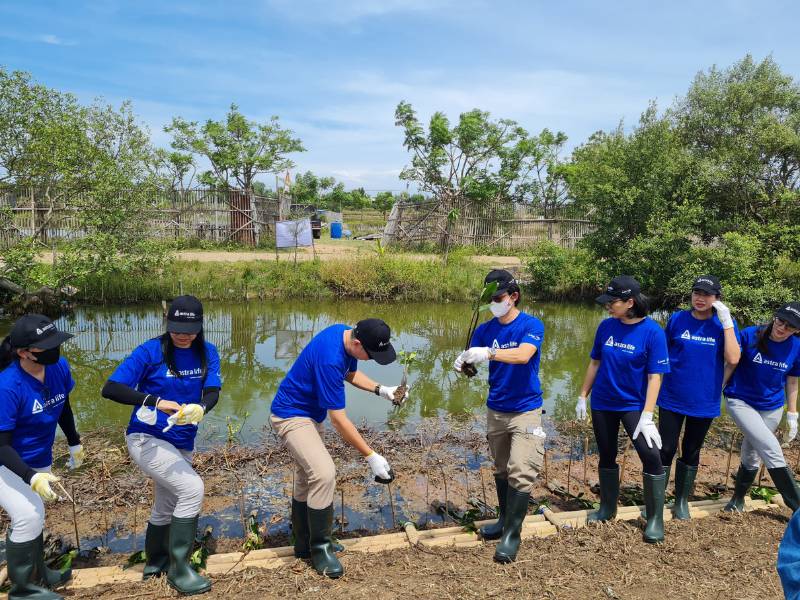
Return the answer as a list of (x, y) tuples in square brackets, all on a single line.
[(314, 471), (516, 442)]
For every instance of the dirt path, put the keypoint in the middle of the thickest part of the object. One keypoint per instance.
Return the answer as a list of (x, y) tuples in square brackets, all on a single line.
[(722, 557), (329, 251)]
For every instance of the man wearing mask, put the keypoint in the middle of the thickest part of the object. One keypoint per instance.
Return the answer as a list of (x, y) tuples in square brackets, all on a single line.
[(511, 341)]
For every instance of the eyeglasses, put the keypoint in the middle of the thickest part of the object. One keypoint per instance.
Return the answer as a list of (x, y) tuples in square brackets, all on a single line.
[(785, 324), (613, 302)]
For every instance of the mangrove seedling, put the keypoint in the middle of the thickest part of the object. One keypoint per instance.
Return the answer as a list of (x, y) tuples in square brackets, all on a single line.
[(407, 359), (481, 304)]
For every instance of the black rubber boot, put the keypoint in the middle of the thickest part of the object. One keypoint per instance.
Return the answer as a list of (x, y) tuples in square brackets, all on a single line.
[(156, 550), (493, 531), (300, 529), (46, 576), (684, 482), (744, 479), (609, 494), (323, 556), (783, 479), (23, 559), (516, 510), (180, 575), (654, 507)]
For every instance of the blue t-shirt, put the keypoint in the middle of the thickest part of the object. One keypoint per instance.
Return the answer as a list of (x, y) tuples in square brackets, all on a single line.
[(693, 386), (512, 388), (627, 355), (315, 383), (31, 409), (760, 379), (145, 370)]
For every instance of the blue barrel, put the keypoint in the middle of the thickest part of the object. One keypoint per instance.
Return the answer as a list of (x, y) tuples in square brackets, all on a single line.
[(336, 231)]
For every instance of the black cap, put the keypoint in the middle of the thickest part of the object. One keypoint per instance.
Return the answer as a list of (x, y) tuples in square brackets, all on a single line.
[(374, 335), (185, 315), (790, 313), (504, 281), (708, 284), (623, 287), (36, 331)]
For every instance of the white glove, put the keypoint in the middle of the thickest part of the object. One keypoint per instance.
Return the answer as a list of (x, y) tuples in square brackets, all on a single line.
[(40, 483), (723, 314), (172, 420), (459, 362), (580, 409), (387, 392), (379, 465), (190, 414), (648, 430), (475, 355), (76, 456), (791, 419)]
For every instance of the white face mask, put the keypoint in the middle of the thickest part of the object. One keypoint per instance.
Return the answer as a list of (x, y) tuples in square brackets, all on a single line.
[(500, 309), (147, 415)]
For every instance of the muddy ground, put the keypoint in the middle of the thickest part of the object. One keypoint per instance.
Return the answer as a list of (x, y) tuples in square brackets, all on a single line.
[(441, 463), (724, 557)]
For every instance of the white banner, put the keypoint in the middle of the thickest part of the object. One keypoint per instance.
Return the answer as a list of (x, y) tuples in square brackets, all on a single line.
[(289, 234)]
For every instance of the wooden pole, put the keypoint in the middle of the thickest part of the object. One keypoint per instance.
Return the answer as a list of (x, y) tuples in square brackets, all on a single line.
[(730, 454), (341, 520), (569, 464), (585, 454), (391, 504), (75, 521), (545, 466), (624, 460), (483, 487)]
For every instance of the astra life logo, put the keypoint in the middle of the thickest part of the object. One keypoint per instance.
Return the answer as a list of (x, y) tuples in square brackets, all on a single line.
[(621, 345), (38, 407), (708, 281), (183, 313), (758, 359), (192, 373), (708, 341), (45, 328), (498, 346), (792, 309)]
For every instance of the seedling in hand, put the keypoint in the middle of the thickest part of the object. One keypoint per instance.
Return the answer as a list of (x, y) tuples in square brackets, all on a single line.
[(479, 306), (406, 359)]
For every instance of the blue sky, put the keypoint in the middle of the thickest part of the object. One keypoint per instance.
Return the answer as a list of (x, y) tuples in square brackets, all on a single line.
[(333, 71)]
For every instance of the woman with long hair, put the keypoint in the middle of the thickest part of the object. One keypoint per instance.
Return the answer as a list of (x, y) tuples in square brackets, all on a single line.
[(628, 360), (171, 381), (763, 382)]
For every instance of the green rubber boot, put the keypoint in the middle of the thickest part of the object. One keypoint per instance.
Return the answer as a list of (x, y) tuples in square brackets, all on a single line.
[(156, 550), (609, 494), (180, 575), (300, 529), (23, 559), (654, 506), (783, 479), (323, 556), (516, 509), (684, 482), (46, 576), (744, 479), (494, 530)]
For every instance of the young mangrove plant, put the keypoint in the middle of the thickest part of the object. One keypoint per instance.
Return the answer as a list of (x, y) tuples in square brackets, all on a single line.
[(407, 359), (481, 304)]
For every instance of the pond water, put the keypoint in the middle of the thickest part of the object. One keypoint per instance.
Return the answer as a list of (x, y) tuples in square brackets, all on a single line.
[(258, 342)]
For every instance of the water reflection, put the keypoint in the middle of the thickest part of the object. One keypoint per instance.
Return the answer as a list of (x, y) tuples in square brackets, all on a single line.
[(258, 341)]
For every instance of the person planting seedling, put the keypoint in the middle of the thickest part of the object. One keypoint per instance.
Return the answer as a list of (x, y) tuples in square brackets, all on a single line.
[(480, 305), (511, 342)]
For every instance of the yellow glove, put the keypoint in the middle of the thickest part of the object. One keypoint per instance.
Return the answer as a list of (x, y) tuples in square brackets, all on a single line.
[(76, 456), (40, 483), (191, 414)]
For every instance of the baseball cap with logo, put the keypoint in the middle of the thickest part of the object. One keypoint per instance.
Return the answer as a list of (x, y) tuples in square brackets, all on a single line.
[(620, 288), (708, 284), (185, 315), (36, 331), (374, 335), (790, 313), (504, 279)]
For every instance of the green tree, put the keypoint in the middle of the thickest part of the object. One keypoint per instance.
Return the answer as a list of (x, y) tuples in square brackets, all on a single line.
[(383, 202), (308, 189)]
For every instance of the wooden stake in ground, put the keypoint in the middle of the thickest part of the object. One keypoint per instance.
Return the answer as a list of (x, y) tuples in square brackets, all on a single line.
[(391, 504), (341, 520), (585, 454), (75, 521), (730, 454), (483, 486), (545, 466), (624, 460), (760, 474), (569, 464)]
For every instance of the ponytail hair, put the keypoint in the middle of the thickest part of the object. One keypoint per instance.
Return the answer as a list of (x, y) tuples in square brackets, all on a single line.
[(7, 353), (640, 308), (763, 337), (198, 347)]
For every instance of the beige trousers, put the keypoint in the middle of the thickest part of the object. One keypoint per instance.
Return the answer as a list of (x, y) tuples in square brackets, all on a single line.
[(314, 471), (516, 442)]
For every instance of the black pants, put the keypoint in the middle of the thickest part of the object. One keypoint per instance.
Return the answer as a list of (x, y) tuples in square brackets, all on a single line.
[(669, 426), (606, 427)]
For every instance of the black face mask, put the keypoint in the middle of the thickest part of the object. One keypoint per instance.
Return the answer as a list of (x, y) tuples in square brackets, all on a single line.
[(48, 357)]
